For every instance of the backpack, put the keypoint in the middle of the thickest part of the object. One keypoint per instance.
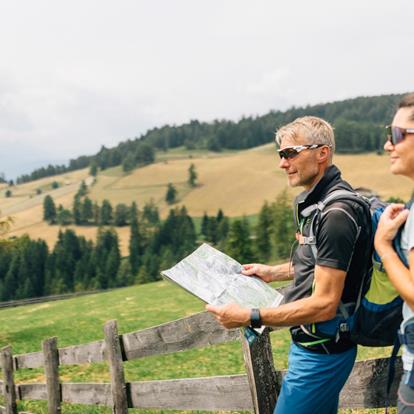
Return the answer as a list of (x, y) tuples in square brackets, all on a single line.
[(379, 315), (375, 317)]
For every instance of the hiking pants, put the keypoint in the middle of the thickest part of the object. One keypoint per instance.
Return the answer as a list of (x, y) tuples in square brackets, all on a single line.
[(405, 396), (313, 381)]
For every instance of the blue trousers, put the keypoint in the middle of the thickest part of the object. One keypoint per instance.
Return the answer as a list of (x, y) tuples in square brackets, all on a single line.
[(313, 381)]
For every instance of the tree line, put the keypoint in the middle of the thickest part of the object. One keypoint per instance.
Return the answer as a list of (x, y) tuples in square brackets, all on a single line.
[(28, 268), (85, 212), (358, 126)]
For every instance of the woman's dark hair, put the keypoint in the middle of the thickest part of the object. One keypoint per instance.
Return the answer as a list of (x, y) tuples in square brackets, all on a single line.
[(408, 102)]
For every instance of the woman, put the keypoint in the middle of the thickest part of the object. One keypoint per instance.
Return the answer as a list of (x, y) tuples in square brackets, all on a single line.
[(400, 147)]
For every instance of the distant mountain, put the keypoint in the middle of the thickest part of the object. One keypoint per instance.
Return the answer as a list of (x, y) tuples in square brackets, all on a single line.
[(358, 126)]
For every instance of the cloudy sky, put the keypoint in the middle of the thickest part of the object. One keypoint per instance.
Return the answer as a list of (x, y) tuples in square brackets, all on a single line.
[(76, 75)]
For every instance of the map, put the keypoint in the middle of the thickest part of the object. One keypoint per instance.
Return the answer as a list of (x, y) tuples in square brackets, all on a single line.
[(217, 279)]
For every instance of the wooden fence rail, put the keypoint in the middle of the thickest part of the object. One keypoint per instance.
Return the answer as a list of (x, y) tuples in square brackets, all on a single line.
[(255, 391)]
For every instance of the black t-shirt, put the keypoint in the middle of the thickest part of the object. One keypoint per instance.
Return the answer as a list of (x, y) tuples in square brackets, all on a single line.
[(343, 240)]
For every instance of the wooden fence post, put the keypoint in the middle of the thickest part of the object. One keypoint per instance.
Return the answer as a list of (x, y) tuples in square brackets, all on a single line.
[(9, 391), (51, 361), (263, 380), (114, 357)]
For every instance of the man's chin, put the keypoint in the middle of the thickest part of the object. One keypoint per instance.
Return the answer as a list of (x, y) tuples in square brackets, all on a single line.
[(293, 181)]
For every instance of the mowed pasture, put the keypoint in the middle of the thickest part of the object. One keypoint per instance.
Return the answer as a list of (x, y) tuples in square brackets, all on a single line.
[(238, 182), (80, 320)]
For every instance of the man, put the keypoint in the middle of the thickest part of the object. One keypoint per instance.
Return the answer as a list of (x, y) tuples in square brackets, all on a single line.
[(324, 279)]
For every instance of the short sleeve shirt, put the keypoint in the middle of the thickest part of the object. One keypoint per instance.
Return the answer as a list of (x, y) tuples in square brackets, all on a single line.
[(407, 244)]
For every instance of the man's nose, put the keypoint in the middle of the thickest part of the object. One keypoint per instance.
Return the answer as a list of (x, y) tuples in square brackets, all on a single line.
[(284, 163)]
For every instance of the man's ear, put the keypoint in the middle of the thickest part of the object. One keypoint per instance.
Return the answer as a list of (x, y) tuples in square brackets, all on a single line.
[(324, 153)]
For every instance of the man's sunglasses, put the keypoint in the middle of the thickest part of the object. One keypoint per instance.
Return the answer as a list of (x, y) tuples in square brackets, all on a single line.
[(292, 152), (396, 134)]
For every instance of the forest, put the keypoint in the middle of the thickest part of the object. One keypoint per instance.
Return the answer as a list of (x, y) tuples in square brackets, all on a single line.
[(28, 268), (359, 127)]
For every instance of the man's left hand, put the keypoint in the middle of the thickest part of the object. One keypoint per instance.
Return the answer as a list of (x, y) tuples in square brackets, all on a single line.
[(231, 315)]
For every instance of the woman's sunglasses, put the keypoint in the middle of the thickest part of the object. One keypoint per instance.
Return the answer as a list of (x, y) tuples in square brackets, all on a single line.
[(292, 152), (396, 134)]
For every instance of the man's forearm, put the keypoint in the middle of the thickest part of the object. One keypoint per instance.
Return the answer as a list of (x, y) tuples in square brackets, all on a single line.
[(303, 311), (282, 271)]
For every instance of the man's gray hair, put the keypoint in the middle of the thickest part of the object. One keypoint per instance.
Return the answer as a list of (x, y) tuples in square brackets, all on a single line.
[(315, 131)]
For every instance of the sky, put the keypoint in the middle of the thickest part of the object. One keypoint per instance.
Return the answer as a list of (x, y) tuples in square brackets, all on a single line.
[(81, 74)]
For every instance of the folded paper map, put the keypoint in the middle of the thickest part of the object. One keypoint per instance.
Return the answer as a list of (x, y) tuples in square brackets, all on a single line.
[(217, 279)]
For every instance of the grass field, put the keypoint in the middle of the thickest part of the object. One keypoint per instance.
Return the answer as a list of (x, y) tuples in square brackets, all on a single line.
[(238, 182), (81, 320)]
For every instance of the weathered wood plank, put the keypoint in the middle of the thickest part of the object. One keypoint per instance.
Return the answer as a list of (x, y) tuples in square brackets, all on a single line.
[(51, 357), (263, 380), (93, 394), (82, 354), (213, 394), (366, 386), (194, 331), (30, 360), (114, 356), (9, 391), (32, 391)]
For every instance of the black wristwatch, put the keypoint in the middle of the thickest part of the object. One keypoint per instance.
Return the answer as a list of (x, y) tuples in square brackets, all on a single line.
[(255, 319)]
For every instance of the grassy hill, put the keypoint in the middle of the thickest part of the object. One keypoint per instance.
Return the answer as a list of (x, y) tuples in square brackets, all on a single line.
[(236, 181), (81, 320)]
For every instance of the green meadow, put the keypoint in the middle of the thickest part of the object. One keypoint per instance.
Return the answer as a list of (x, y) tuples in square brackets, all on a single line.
[(80, 320)]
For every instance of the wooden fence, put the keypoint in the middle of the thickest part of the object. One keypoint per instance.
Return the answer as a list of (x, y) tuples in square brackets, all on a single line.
[(254, 391)]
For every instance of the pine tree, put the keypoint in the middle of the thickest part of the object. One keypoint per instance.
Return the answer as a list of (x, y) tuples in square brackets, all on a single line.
[(264, 231), (150, 213), (121, 215), (112, 265), (87, 210), (170, 196), (239, 244), (204, 226), (106, 213), (124, 276), (83, 189), (284, 232), (77, 210), (222, 230), (93, 169), (129, 162), (63, 216), (212, 230), (136, 246), (192, 176), (49, 209)]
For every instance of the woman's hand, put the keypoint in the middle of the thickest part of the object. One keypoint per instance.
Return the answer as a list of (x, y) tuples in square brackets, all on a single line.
[(393, 217)]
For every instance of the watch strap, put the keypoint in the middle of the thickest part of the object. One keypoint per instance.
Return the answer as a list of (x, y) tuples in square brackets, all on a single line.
[(255, 319)]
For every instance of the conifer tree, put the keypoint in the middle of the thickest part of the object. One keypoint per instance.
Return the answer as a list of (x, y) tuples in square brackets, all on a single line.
[(284, 233), (87, 210), (192, 176), (93, 169), (77, 210), (49, 209), (264, 231), (204, 226), (106, 213), (239, 244), (136, 246), (170, 196), (121, 215)]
